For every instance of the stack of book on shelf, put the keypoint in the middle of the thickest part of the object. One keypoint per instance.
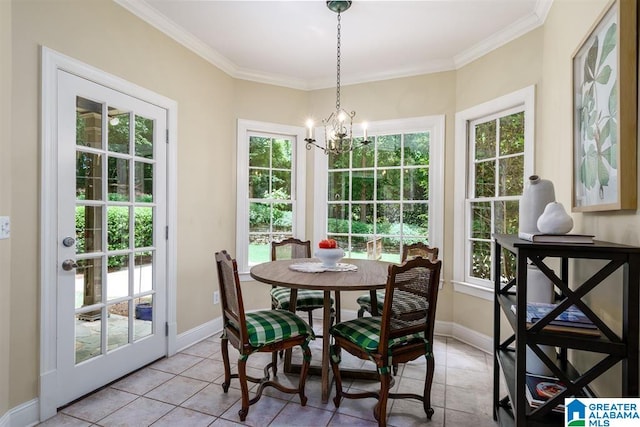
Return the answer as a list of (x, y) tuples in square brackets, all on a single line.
[(540, 389), (571, 320), (556, 238)]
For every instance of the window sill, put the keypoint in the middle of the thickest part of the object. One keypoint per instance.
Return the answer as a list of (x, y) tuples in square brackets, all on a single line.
[(477, 291)]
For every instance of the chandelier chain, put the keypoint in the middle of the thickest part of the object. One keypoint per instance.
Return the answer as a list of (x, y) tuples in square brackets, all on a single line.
[(338, 69)]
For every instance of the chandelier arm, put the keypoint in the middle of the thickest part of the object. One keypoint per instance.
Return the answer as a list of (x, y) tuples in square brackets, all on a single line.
[(338, 67)]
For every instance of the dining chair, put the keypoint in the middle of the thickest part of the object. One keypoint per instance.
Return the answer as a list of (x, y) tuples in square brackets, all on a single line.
[(398, 336), (307, 300), (266, 331), (408, 252)]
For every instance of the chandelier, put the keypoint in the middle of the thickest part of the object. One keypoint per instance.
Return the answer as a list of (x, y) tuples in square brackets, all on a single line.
[(338, 132)]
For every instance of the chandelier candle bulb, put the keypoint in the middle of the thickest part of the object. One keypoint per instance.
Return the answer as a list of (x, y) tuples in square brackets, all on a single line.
[(364, 130)]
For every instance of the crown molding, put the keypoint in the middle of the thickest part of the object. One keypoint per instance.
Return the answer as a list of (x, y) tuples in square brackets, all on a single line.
[(144, 11)]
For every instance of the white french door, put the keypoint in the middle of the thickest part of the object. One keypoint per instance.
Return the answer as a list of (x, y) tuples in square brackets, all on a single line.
[(111, 235)]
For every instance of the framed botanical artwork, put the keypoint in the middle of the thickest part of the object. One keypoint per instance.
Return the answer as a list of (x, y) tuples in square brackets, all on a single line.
[(605, 112)]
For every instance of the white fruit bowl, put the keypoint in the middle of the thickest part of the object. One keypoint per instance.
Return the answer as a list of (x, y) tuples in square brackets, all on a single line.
[(329, 257)]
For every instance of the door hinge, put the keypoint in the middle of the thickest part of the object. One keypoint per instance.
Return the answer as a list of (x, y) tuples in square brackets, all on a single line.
[(167, 136), (166, 329)]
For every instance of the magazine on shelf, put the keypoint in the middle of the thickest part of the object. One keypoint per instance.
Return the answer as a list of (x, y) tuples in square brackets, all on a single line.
[(539, 389), (570, 320), (556, 238)]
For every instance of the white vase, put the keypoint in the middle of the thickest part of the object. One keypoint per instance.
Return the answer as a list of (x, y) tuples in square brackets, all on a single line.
[(555, 220), (537, 194)]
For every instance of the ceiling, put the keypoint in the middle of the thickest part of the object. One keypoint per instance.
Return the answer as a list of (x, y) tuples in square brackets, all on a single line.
[(293, 43)]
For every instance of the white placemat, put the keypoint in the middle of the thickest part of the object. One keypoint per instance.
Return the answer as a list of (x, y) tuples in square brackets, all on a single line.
[(317, 267)]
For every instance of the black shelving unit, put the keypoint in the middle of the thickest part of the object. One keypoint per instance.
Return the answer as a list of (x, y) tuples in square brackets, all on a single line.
[(510, 355)]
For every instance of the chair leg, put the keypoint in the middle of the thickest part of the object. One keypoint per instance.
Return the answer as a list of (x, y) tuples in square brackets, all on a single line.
[(361, 312), (244, 389), (310, 313), (335, 367), (306, 361), (380, 410), (426, 402), (274, 363), (227, 368)]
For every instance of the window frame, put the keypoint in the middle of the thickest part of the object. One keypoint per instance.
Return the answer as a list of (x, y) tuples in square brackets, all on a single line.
[(245, 129), (521, 100), (433, 124)]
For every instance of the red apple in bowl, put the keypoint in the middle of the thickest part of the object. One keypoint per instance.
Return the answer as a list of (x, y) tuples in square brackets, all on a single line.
[(328, 244)]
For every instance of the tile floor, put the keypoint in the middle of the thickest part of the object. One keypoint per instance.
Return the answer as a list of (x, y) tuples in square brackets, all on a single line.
[(185, 390)]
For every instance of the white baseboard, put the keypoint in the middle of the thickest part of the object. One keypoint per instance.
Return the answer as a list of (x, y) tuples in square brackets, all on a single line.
[(197, 334), (26, 414)]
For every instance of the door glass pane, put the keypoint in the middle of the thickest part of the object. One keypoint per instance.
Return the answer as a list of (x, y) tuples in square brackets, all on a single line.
[(338, 161), (143, 227), (144, 137), (117, 277), (364, 157), (143, 182), (143, 273), (118, 227), (117, 325), (88, 339), (481, 260), (391, 249), (118, 182), (88, 123), (142, 323), (88, 176), (88, 282), (88, 229), (119, 131)]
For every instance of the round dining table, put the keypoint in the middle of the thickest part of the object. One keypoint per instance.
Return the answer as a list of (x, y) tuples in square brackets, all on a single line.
[(368, 275)]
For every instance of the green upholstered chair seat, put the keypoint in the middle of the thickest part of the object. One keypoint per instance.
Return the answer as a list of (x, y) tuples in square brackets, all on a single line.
[(365, 333), (307, 299), (270, 326), (403, 302)]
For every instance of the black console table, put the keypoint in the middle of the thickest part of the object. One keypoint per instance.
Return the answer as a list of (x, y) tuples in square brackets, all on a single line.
[(509, 355)]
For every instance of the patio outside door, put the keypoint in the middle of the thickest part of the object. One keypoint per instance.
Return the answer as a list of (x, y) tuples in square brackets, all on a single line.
[(112, 221)]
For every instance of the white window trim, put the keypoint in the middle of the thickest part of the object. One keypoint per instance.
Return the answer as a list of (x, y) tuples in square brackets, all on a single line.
[(297, 134), (524, 97), (436, 126)]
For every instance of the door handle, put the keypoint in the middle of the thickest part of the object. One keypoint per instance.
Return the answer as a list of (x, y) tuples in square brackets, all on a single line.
[(69, 264)]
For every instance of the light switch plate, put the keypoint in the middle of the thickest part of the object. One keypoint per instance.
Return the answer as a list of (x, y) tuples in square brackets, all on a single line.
[(5, 227)]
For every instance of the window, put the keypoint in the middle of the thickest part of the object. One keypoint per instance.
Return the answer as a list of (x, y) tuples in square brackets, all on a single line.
[(494, 147), (270, 189), (382, 196)]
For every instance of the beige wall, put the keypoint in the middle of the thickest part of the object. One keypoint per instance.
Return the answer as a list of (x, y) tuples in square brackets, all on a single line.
[(5, 199), (209, 103)]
